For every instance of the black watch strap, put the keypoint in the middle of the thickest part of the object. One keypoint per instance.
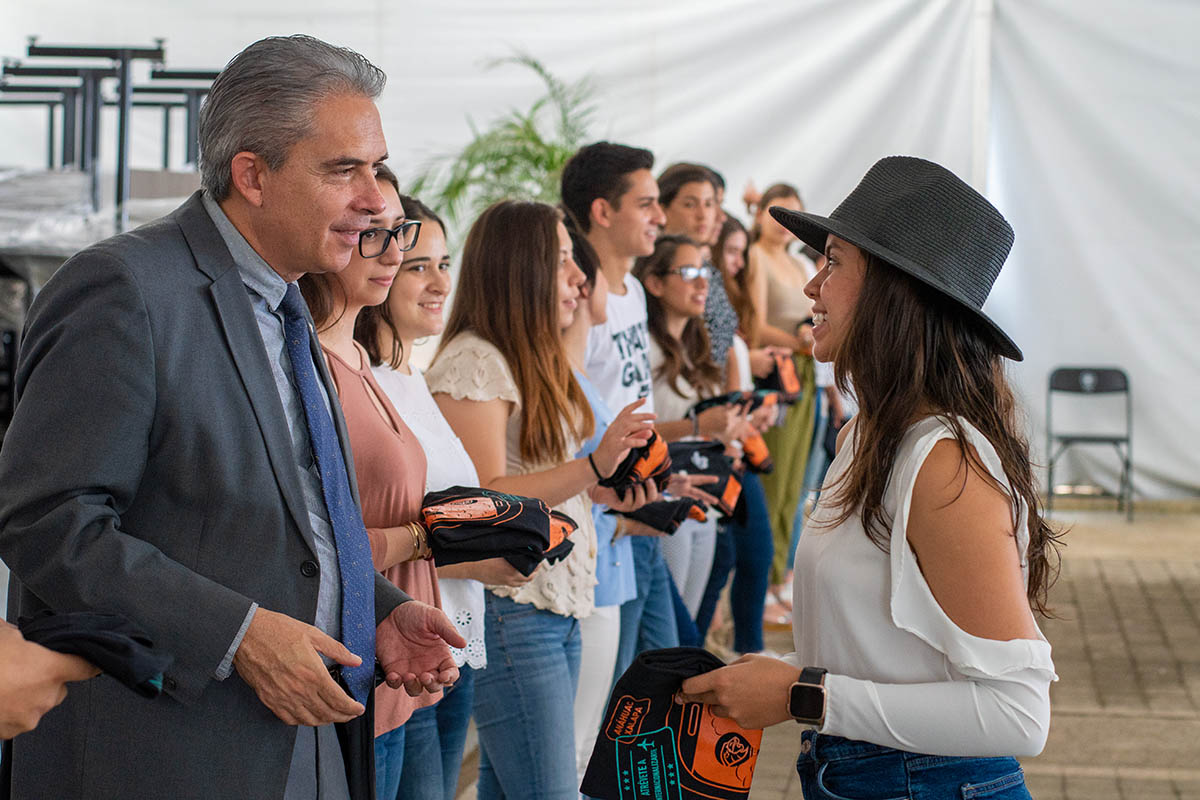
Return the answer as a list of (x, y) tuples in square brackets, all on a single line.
[(814, 675)]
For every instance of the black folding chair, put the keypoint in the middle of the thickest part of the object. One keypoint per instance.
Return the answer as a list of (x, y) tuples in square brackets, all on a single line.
[(1092, 381)]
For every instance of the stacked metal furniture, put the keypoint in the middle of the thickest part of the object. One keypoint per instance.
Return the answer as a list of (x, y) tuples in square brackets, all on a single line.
[(75, 83), (78, 95)]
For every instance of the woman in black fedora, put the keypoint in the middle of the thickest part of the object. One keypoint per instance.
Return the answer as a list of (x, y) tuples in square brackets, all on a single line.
[(919, 670)]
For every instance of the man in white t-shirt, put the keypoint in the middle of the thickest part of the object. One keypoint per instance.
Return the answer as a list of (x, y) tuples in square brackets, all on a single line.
[(612, 198)]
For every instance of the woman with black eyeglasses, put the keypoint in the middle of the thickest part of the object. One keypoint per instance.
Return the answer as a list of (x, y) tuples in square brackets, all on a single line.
[(389, 461), (683, 371)]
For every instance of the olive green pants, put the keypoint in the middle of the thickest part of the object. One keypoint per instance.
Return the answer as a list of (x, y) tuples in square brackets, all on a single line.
[(789, 443)]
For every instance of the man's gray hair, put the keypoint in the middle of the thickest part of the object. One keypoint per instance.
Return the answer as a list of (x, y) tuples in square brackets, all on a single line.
[(263, 101)]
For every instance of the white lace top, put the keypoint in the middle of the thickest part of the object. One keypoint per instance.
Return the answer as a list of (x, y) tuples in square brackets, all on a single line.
[(901, 672), (448, 465), (472, 369)]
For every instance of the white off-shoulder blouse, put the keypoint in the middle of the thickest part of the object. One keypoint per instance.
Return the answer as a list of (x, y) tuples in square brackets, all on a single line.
[(901, 672)]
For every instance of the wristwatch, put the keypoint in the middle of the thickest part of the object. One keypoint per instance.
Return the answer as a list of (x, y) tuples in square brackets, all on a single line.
[(806, 698)]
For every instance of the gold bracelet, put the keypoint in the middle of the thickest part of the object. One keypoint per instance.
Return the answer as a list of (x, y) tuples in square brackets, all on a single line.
[(420, 542)]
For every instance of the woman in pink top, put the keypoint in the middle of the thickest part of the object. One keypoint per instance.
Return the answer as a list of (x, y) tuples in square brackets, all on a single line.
[(389, 462)]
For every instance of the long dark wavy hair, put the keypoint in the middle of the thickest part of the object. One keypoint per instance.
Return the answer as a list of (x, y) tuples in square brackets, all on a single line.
[(507, 294), (691, 355), (917, 351)]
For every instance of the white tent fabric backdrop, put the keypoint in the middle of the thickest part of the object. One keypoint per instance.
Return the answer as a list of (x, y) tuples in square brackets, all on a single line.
[(1080, 119)]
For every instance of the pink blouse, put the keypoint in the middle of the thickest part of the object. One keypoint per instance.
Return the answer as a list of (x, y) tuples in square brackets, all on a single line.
[(389, 464)]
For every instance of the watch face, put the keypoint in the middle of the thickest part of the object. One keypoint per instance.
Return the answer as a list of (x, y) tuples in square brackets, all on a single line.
[(806, 701)]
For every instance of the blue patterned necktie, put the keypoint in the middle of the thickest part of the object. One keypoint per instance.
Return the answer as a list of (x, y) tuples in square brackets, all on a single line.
[(349, 533)]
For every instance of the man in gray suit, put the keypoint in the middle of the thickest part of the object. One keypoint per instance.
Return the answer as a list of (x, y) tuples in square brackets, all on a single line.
[(170, 461)]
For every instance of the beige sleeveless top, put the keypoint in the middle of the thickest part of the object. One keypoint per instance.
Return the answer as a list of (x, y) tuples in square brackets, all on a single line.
[(787, 304)]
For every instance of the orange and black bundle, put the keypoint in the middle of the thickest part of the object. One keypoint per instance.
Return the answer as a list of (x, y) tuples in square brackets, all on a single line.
[(783, 378), (651, 461), (651, 747), (756, 456), (561, 528), (708, 458), (667, 515), (473, 524)]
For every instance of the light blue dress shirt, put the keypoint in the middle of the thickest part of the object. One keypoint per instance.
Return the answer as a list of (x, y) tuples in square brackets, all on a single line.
[(266, 288)]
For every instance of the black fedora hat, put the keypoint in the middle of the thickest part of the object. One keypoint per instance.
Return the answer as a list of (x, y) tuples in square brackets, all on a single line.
[(922, 219)]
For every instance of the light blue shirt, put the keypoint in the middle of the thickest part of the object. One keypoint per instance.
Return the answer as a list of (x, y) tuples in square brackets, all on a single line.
[(615, 580), (265, 289)]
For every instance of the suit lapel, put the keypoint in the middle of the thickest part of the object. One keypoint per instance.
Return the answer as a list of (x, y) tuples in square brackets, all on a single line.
[(249, 355)]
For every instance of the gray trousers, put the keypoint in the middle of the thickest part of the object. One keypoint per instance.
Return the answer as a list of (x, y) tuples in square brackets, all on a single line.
[(318, 771)]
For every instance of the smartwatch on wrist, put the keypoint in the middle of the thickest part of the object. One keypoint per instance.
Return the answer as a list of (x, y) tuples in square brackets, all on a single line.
[(806, 698)]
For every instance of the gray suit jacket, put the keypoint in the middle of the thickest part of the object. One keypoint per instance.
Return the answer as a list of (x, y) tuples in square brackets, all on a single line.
[(148, 472)]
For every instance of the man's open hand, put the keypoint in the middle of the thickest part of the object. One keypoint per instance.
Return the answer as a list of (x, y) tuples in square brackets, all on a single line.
[(413, 645)]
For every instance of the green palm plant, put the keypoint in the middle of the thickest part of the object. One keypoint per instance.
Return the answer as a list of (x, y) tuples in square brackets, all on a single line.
[(520, 155)]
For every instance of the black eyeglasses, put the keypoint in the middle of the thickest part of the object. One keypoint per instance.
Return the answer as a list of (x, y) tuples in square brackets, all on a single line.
[(690, 273), (374, 242)]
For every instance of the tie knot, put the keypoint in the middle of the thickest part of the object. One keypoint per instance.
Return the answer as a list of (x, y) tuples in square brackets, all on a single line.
[(293, 303)]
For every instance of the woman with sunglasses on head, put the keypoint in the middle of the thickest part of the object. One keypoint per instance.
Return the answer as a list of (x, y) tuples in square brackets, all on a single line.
[(919, 669), (676, 283), (388, 332), (504, 382), (389, 463)]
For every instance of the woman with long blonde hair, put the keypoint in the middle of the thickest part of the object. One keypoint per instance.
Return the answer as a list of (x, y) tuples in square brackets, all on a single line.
[(503, 380)]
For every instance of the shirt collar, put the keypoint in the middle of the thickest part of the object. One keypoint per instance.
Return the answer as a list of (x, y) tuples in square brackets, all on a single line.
[(255, 272)]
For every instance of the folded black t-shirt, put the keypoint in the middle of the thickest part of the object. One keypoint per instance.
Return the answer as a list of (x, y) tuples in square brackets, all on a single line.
[(109, 641), (465, 523), (708, 458), (783, 378), (651, 748), (651, 461), (666, 515)]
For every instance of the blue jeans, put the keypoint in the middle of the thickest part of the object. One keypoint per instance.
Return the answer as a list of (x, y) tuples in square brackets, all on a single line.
[(648, 620), (748, 548), (724, 556), (524, 703), (425, 768), (754, 549), (685, 626), (402, 757), (833, 768)]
